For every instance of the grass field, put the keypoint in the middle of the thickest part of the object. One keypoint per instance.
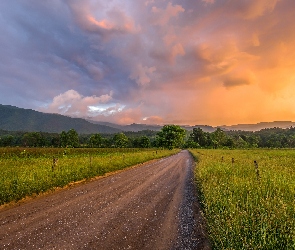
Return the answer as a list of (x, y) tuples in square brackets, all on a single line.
[(28, 171), (248, 205)]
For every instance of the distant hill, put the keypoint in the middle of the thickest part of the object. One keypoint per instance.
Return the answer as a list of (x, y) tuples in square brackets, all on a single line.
[(18, 119), (134, 127), (205, 128), (259, 126)]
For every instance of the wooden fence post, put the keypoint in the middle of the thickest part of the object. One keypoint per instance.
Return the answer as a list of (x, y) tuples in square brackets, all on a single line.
[(257, 170), (54, 163)]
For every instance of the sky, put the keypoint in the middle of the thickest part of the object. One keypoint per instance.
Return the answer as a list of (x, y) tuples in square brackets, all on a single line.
[(201, 62)]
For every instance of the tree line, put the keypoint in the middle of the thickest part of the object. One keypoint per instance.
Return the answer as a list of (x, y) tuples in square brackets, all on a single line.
[(71, 139), (265, 138), (170, 136)]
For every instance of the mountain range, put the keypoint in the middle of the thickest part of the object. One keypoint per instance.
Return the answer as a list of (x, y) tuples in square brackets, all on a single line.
[(259, 126), (19, 119)]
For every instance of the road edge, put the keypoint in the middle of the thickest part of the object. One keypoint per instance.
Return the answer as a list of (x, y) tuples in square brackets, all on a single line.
[(193, 227)]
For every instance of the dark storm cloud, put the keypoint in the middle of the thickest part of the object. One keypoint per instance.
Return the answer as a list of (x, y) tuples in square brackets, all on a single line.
[(44, 54)]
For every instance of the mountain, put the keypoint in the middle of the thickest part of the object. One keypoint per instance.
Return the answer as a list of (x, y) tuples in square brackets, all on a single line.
[(134, 127), (205, 128), (18, 119), (109, 124), (259, 126)]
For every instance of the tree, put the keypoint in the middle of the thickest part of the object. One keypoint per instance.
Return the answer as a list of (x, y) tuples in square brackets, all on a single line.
[(240, 142), (120, 140), (171, 136), (55, 140), (144, 142), (198, 136), (73, 139), (253, 141), (190, 143), (6, 140), (69, 139), (218, 138), (32, 139), (63, 139), (229, 142), (95, 141)]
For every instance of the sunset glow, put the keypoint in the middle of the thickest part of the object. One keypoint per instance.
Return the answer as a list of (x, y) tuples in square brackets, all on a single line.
[(214, 62)]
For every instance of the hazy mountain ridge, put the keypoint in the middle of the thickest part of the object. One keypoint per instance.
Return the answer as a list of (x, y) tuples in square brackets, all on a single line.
[(134, 127), (259, 126), (19, 119)]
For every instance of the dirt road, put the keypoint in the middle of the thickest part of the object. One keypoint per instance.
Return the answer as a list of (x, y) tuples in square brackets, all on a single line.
[(148, 207)]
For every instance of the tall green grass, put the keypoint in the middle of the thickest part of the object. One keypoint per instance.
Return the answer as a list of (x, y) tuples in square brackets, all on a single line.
[(28, 171), (244, 210)]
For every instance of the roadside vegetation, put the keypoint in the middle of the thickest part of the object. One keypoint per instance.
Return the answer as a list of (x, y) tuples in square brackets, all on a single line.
[(248, 197), (28, 171)]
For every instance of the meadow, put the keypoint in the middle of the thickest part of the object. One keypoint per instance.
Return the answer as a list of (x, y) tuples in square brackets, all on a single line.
[(247, 204), (30, 171)]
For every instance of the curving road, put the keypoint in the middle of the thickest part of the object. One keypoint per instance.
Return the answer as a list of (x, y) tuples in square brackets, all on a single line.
[(148, 207)]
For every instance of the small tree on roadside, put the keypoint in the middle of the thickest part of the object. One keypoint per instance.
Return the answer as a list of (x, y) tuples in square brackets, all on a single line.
[(171, 136), (190, 143), (199, 137)]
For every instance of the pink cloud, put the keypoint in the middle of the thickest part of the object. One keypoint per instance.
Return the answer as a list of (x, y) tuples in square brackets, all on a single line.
[(163, 16), (120, 116), (75, 104), (153, 120), (98, 19), (141, 74)]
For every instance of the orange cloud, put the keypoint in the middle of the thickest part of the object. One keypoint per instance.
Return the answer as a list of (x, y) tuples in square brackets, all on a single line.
[(238, 78), (153, 120), (253, 9), (104, 24)]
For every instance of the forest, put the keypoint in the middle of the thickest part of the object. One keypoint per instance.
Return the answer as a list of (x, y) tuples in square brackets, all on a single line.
[(170, 136)]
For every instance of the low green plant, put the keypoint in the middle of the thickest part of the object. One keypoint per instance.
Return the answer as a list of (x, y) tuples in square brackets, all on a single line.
[(247, 204), (28, 171)]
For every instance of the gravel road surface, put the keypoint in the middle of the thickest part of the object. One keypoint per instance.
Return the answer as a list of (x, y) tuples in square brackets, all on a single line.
[(152, 206)]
